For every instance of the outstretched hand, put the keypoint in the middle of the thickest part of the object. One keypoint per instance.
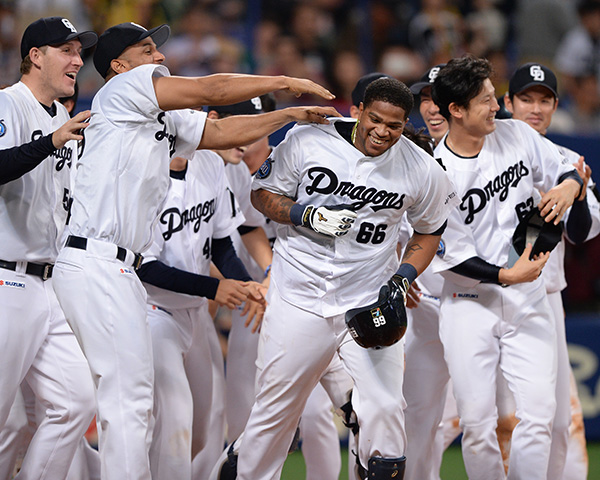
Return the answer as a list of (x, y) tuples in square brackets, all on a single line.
[(524, 270), (255, 306), (71, 129), (312, 114), (298, 86)]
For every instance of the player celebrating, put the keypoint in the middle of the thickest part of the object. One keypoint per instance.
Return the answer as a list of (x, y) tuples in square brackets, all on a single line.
[(497, 167), (38, 143), (122, 179), (533, 98), (322, 268), (194, 228)]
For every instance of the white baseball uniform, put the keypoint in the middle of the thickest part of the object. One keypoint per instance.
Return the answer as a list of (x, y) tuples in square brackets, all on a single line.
[(316, 279), (567, 398), (121, 182), (320, 440), (39, 348), (425, 400), (484, 325), (196, 211)]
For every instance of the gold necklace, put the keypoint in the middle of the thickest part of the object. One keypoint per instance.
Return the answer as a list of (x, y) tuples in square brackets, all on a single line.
[(353, 134)]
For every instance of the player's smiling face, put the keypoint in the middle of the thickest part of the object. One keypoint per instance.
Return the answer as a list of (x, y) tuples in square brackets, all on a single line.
[(380, 125), (535, 106), (479, 116), (59, 66), (435, 122), (141, 53)]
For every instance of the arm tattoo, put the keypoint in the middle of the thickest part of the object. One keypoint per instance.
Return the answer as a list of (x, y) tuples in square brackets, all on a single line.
[(411, 249), (276, 207)]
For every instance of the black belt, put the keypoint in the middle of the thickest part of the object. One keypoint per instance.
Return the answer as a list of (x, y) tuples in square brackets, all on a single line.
[(81, 243), (42, 270)]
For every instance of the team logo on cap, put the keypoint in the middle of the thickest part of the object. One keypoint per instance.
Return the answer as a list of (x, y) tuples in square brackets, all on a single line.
[(257, 103), (69, 25), (2, 128), (433, 73), (265, 169), (537, 73)]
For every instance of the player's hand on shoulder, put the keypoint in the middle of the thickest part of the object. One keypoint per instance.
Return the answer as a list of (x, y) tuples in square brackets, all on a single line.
[(231, 293), (312, 114), (524, 270), (298, 86), (330, 220), (71, 129)]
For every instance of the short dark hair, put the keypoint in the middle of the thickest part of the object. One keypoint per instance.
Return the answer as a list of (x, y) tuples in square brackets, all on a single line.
[(459, 82), (389, 90)]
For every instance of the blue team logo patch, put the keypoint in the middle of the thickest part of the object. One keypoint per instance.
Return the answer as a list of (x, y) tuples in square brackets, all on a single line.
[(265, 169), (441, 251), (2, 128)]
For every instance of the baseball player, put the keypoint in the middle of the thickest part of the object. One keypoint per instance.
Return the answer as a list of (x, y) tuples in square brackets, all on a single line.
[(533, 98), (497, 167), (328, 260), (317, 431), (425, 401), (121, 182), (38, 147), (194, 228)]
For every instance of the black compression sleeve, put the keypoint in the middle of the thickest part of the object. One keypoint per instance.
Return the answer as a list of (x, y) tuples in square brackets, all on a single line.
[(439, 231), (17, 161), (170, 278), (579, 222), (479, 269), (243, 230), (227, 261)]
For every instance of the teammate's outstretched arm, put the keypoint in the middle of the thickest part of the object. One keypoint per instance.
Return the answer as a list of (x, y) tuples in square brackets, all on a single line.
[(237, 130), (174, 93)]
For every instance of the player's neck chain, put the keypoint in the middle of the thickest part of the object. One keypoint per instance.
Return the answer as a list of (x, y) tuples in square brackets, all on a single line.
[(353, 134)]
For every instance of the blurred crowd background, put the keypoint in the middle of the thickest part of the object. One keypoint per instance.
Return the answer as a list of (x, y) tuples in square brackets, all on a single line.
[(335, 42)]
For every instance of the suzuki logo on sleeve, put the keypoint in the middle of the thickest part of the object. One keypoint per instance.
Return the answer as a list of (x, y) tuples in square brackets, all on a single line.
[(537, 73)]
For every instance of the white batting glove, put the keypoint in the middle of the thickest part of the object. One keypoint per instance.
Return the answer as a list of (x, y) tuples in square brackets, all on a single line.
[(332, 220)]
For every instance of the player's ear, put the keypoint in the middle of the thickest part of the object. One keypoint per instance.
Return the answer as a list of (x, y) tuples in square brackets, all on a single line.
[(455, 110), (34, 55), (508, 103), (118, 65), (213, 115)]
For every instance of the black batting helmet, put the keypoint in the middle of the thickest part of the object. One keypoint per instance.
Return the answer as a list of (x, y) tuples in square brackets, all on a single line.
[(380, 324)]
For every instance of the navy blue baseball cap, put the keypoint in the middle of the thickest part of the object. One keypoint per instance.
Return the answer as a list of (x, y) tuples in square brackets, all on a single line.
[(427, 79), (116, 39), (358, 94), (531, 75), (249, 107), (53, 31)]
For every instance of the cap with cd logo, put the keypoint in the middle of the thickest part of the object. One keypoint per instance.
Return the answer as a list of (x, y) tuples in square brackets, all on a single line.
[(531, 75), (116, 39), (427, 79), (248, 107), (53, 31)]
